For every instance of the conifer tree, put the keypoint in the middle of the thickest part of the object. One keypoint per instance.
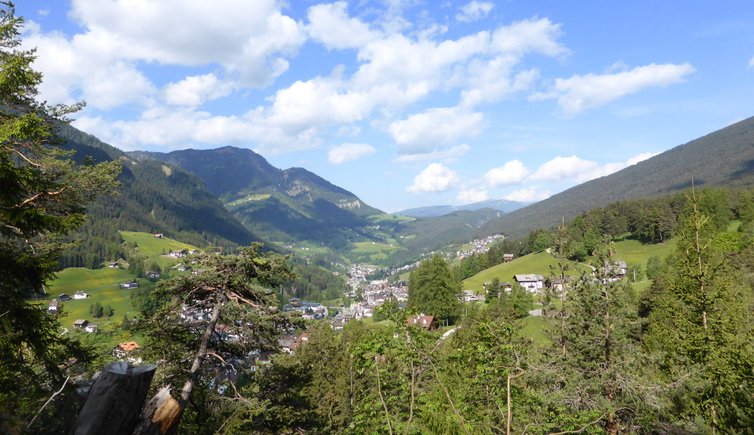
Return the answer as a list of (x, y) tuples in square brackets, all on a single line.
[(434, 290), (702, 327), (43, 197)]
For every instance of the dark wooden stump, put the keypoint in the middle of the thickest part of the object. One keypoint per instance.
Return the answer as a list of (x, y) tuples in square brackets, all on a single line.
[(115, 400)]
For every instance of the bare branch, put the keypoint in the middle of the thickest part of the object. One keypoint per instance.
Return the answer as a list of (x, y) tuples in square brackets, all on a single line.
[(48, 402)]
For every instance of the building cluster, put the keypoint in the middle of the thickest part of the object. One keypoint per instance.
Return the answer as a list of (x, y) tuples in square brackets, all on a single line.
[(478, 246)]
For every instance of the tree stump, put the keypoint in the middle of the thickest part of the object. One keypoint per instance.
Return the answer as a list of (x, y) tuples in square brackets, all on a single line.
[(116, 398)]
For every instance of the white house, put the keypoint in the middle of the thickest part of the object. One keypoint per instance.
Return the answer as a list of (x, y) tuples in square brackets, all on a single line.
[(530, 281), (80, 295)]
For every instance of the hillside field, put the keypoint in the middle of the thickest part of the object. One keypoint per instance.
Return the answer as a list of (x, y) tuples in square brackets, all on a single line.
[(539, 263), (101, 285)]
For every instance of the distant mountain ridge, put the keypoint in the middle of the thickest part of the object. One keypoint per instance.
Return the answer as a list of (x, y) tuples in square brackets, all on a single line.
[(502, 205), (724, 158), (286, 206)]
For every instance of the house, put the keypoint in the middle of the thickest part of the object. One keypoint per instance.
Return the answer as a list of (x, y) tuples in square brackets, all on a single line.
[(507, 257), (80, 295), (616, 269), (530, 281), (64, 297), (132, 284), (559, 284), (80, 323), (470, 296), (125, 349), (159, 236), (421, 321), (154, 276), (90, 328), (54, 306), (113, 265)]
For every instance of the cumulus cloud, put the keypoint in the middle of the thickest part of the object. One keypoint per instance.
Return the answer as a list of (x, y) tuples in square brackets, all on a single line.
[(580, 169), (331, 25), (448, 155), (527, 195), (563, 167), (471, 196), (349, 151), (512, 172), (434, 178), (195, 90), (529, 36), (427, 130), (249, 41), (474, 11), (582, 92)]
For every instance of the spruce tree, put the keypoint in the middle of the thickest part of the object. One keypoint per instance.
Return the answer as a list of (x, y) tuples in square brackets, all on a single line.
[(434, 290)]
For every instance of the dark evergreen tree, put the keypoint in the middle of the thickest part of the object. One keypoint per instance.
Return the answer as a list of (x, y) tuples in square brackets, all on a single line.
[(433, 289)]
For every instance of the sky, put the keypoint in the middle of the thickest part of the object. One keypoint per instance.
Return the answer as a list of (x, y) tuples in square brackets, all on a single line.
[(405, 103)]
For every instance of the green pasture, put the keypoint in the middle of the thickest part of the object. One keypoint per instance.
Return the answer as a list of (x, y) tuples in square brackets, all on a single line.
[(249, 198), (101, 285), (539, 263), (533, 327), (151, 246), (634, 252)]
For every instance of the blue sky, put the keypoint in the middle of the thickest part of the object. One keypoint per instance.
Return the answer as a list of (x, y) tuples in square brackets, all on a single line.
[(405, 103)]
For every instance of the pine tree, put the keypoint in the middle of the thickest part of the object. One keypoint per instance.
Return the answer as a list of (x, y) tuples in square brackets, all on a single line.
[(703, 328), (434, 290), (43, 197)]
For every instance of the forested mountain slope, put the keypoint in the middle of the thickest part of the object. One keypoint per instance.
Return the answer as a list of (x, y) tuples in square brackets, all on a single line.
[(153, 197), (724, 158), (287, 206), (502, 205)]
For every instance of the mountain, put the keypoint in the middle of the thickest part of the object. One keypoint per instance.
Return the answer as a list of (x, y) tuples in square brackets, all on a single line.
[(438, 210), (153, 197), (287, 206), (724, 158)]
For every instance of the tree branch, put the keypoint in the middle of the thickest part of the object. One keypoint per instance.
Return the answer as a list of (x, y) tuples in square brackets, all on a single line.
[(48, 402)]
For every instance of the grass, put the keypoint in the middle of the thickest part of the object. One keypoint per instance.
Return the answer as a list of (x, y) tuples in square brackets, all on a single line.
[(538, 263), (151, 246), (533, 327), (634, 252), (101, 285), (249, 198)]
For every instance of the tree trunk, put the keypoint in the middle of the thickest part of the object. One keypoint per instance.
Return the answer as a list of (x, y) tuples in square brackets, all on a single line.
[(115, 400)]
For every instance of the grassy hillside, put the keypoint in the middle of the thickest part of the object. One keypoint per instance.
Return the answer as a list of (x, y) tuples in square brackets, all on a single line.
[(101, 285), (539, 263)]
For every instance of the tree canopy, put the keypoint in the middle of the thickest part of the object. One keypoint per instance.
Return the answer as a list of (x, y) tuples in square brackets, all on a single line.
[(433, 289)]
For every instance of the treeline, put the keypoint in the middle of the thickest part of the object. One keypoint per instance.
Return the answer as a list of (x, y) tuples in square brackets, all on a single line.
[(313, 283), (647, 220)]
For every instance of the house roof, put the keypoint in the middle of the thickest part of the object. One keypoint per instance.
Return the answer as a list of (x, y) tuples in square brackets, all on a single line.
[(80, 322), (529, 277), (129, 346), (422, 321)]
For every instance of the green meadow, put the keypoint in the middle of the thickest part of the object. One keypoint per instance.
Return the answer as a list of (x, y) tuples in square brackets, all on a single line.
[(102, 285), (539, 263), (151, 246)]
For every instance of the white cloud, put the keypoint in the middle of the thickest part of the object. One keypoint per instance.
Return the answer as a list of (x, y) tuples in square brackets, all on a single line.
[(582, 92), (470, 196), (250, 41), (435, 127), (610, 168), (474, 11), (448, 155), (529, 36), (434, 178), (349, 151), (331, 25), (512, 172), (195, 90), (527, 195), (563, 167)]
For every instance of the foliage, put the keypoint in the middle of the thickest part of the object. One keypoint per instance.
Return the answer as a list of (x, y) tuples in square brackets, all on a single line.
[(43, 197), (215, 318), (433, 289)]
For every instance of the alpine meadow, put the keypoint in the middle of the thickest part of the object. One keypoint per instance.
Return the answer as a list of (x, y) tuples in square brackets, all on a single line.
[(520, 249)]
